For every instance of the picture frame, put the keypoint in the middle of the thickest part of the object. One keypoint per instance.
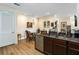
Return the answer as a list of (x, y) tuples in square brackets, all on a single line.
[(52, 24), (29, 24), (48, 23), (44, 24), (63, 26)]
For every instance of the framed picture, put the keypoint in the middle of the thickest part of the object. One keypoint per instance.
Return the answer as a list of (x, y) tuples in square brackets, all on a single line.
[(29, 24), (44, 24), (63, 26), (52, 24), (48, 23), (55, 24)]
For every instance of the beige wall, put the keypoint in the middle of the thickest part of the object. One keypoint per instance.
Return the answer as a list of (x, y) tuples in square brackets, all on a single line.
[(63, 19), (34, 21), (45, 18), (21, 25), (53, 19)]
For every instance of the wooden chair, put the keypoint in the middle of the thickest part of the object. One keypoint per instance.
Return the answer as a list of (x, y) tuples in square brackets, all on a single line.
[(29, 36)]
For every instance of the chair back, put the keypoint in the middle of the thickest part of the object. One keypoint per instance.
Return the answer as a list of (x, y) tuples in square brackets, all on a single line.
[(27, 33)]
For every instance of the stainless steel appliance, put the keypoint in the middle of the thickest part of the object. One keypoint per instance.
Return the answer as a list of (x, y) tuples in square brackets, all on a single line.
[(39, 42), (76, 34)]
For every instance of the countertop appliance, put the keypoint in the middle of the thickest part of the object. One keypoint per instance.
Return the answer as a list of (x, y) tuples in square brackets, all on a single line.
[(76, 34)]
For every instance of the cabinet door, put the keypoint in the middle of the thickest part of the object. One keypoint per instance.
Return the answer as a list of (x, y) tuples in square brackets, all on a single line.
[(48, 45), (73, 48), (59, 47), (59, 50), (72, 51)]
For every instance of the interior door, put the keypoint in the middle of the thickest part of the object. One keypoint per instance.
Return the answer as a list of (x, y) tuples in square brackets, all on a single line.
[(8, 29)]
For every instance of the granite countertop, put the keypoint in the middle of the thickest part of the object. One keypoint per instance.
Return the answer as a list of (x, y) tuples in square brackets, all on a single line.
[(63, 38)]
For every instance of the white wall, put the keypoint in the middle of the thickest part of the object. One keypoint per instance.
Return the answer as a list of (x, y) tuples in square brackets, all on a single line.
[(21, 25), (20, 17)]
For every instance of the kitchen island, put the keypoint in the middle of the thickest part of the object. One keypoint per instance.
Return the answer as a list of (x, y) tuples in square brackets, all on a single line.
[(57, 45)]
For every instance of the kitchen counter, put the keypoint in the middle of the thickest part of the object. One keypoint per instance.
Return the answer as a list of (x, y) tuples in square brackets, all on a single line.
[(62, 38), (59, 45)]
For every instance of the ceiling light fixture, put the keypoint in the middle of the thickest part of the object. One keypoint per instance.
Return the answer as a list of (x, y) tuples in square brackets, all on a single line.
[(17, 4)]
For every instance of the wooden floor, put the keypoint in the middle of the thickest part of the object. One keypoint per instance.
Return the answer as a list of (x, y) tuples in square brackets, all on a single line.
[(23, 48)]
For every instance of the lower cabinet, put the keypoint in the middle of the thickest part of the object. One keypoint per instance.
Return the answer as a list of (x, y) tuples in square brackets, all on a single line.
[(48, 45), (72, 51), (53, 46), (59, 50), (73, 48), (60, 47)]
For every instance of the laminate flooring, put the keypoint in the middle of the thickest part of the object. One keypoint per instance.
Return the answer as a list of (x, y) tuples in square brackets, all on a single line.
[(22, 48)]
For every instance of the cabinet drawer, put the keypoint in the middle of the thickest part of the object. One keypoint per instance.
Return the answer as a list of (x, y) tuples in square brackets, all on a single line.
[(73, 45), (59, 50), (60, 41), (72, 51)]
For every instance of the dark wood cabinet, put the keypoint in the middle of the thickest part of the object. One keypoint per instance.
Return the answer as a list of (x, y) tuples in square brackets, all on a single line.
[(73, 48), (54, 46), (60, 47), (48, 45), (59, 50), (72, 51)]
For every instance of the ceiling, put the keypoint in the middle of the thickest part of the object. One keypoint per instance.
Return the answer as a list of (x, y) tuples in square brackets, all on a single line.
[(42, 9)]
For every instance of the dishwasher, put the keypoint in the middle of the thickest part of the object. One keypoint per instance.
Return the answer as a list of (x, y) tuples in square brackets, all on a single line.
[(39, 43)]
